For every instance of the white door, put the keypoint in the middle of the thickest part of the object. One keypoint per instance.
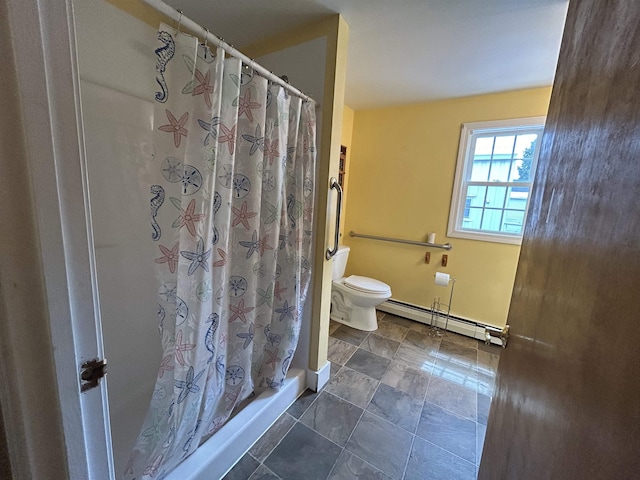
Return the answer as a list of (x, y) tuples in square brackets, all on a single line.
[(43, 41)]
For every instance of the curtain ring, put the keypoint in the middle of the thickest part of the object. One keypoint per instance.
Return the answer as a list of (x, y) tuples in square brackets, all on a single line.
[(206, 37), (179, 21)]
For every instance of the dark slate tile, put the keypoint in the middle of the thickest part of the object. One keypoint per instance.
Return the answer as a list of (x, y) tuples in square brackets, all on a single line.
[(265, 444), (407, 379), (385, 347), (428, 461), (263, 473), (352, 386), (397, 407), (350, 335), (380, 315), (484, 404), (451, 432), (302, 403), (487, 369), (303, 453), (368, 363), (334, 369), (391, 330), (418, 350), (396, 320), (333, 326), (488, 362), (332, 417), (381, 444), (351, 467), (243, 469), (421, 327), (481, 432), (340, 352), (460, 372), (486, 384), (464, 354), (493, 349), (455, 398), (423, 341), (462, 340)]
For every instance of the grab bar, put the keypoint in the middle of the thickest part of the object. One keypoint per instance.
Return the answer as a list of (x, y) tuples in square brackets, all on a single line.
[(331, 252), (445, 246)]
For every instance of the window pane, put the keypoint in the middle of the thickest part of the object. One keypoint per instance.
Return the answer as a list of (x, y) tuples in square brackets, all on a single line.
[(482, 159), (504, 145), (475, 196), (525, 147), (484, 146), (514, 174), (495, 197), (513, 221), (500, 169), (491, 220), (517, 198), (525, 144), (473, 220)]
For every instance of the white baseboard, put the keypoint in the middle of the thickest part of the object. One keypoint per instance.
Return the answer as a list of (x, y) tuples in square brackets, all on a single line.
[(421, 314), (215, 457), (318, 379)]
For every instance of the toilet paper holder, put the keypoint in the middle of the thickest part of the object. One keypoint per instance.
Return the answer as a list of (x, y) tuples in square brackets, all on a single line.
[(439, 309)]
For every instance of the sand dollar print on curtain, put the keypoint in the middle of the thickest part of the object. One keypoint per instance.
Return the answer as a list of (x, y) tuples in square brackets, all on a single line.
[(231, 200)]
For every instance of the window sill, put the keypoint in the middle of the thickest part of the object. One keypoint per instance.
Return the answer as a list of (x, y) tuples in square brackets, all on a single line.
[(486, 237)]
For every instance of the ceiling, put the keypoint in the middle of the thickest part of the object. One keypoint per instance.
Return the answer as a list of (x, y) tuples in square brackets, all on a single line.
[(407, 51)]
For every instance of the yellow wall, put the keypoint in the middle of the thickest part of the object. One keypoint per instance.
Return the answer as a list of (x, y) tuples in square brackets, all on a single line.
[(402, 167), (347, 135)]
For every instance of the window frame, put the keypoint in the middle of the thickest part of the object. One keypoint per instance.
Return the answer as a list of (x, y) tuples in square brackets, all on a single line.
[(469, 132)]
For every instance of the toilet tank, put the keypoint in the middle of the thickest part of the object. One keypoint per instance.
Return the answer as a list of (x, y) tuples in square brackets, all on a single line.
[(340, 263)]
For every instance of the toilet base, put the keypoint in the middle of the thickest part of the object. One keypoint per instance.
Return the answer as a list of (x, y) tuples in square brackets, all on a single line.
[(360, 318)]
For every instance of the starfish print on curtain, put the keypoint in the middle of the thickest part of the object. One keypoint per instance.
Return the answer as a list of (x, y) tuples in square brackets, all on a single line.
[(176, 127)]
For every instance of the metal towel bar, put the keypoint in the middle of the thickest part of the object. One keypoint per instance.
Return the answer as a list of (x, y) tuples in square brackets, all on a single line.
[(445, 246)]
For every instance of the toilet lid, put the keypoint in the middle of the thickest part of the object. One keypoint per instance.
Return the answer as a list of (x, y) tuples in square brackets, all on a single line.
[(366, 284)]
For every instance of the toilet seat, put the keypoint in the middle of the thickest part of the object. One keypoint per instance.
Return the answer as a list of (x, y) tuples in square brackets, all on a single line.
[(367, 285)]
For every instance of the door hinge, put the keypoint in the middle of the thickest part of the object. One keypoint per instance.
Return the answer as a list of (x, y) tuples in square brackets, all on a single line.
[(91, 372)]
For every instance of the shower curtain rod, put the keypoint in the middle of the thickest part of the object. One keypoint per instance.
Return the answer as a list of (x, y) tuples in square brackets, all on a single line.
[(186, 22)]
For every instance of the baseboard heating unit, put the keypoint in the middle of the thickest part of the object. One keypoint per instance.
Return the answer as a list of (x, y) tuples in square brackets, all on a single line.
[(470, 328)]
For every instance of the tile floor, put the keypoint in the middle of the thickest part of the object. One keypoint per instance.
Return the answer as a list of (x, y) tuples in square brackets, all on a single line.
[(401, 404)]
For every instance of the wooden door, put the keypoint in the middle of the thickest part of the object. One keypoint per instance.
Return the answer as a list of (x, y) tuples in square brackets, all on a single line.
[(567, 402)]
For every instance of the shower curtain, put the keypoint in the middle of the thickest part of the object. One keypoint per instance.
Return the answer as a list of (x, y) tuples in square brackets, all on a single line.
[(231, 197)]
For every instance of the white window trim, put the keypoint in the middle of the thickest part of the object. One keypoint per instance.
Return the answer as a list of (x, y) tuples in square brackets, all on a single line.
[(457, 202)]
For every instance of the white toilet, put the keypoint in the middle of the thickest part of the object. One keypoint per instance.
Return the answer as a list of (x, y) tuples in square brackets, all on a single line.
[(354, 299)]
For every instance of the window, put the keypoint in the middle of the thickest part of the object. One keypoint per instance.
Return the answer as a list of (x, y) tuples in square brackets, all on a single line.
[(494, 176)]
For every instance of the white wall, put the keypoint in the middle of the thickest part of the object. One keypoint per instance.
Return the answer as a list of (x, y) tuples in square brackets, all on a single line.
[(117, 70)]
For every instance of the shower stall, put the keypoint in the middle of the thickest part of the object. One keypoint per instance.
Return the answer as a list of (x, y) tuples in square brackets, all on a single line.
[(117, 73)]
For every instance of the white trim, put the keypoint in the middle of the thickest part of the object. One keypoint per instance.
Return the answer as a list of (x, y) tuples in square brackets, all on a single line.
[(215, 457), (423, 315), (523, 123), (467, 130), (484, 237), (44, 44), (318, 379)]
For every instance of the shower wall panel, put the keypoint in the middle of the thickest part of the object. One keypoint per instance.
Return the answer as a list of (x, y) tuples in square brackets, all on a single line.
[(115, 56)]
